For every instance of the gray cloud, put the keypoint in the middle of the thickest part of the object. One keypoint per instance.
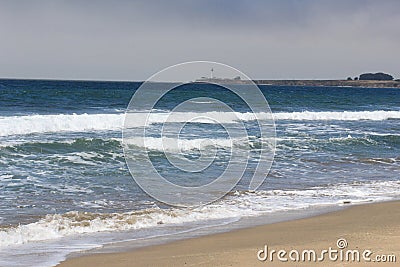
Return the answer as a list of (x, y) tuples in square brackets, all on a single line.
[(131, 40)]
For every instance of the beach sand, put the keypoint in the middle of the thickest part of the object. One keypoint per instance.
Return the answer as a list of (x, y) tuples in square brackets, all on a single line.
[(374, 227)]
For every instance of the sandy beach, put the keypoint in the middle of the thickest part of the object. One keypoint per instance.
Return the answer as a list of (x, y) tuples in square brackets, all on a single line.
[(373, 230)]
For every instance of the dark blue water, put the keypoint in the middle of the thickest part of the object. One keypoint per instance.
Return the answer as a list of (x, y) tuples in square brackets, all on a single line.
[(54, 97)]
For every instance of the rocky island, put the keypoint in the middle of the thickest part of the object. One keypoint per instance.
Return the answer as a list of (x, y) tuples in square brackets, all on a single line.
[(368, 80)]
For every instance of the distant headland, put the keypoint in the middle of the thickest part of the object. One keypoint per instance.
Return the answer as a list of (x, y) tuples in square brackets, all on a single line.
[(371, 80)]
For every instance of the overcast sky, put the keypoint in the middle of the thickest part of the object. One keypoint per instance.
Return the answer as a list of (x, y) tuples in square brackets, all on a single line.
[(131, 40)]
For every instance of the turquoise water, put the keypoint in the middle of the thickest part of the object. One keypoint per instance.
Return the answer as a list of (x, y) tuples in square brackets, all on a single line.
[(64, 180)]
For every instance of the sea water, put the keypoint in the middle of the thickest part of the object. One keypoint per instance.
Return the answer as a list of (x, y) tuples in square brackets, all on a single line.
[(65, 186)]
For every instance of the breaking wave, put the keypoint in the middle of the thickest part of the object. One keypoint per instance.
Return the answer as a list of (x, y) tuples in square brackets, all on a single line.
[(20, 125), (234, 205)]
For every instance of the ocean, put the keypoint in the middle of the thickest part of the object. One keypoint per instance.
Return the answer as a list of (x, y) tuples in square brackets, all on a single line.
[(65, 186)]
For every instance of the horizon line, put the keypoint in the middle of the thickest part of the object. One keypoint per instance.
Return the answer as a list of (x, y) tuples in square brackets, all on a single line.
[(138, 81)]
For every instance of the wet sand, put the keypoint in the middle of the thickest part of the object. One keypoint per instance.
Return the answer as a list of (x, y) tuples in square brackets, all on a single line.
[(374, 227)]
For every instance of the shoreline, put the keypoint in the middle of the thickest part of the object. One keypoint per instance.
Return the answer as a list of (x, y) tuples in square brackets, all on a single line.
[(332, 83), (373, 226)]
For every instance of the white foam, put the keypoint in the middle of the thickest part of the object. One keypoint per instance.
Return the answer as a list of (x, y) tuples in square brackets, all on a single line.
[(177, 145), (376, 115), (230, 117), (72, 223), (238, 204), (16, 125)]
